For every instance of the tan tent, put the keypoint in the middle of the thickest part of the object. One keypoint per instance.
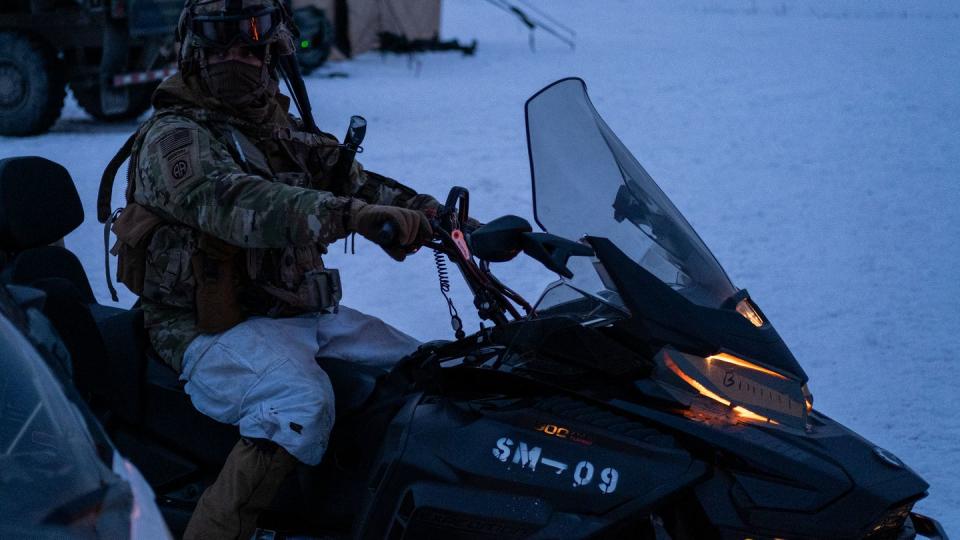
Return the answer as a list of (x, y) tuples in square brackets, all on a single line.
[(412, 19), (366, 19)]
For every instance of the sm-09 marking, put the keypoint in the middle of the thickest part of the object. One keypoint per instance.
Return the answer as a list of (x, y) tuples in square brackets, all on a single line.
[(584, 473)]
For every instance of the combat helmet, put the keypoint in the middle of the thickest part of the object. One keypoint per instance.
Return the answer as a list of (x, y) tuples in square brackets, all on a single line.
[(221, 24)]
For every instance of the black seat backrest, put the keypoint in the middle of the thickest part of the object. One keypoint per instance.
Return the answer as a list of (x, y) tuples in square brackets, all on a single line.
[(38, 203), (38, 206), (48, 262)]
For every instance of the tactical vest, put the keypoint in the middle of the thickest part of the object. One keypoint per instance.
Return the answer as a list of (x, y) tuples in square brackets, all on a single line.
[(228, 282)]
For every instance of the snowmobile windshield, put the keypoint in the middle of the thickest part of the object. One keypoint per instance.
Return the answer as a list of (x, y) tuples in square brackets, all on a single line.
[(586, 182), (49, 469)]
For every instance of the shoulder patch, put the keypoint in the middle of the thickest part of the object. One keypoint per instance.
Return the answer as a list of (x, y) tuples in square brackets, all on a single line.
[(175, 140), (179, 156)]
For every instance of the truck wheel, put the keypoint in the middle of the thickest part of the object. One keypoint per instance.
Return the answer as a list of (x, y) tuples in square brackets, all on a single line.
[(316, 40), (88, 97), (31, 85)]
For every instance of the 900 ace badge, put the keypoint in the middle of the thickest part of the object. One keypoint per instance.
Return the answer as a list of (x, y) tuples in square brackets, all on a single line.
[(529, 457)]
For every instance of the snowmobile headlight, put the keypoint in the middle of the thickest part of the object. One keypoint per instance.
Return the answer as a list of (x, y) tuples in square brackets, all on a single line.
[(807, 398), (733, 360), (891, 522), (751, 392), (749, 312)]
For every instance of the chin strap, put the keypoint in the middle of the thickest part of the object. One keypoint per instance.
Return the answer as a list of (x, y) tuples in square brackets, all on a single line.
[(290, 70)]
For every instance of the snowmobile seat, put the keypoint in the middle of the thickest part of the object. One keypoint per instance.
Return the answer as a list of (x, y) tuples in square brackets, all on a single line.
[(106, 343), (38, 203), (148, 394), (124, 366), (114, 368), (169, 414), (353, 383), (70, 314)]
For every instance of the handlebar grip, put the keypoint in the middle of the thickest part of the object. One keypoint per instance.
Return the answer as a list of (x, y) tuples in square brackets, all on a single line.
[(387, 236)]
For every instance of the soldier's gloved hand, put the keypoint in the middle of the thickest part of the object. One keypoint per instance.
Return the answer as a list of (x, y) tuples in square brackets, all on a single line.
[(430, 206), (412, 227)]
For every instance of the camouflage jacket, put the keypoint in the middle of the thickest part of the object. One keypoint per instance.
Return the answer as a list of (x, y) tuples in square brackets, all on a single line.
[(266, 188)]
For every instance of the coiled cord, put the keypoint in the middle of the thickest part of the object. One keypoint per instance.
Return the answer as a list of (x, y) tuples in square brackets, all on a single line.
[(444, 277)]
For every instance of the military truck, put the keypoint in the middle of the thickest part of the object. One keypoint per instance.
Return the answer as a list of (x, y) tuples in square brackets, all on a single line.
[(111, 53)]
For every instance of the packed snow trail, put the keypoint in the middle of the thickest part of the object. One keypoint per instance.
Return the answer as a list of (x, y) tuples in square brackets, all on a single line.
[(812, 144)]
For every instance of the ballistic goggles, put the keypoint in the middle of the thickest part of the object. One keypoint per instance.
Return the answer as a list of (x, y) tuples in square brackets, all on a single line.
[(225, 31)]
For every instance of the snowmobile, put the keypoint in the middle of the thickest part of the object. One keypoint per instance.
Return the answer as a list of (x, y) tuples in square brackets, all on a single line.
[(642, 396), (61, 475)]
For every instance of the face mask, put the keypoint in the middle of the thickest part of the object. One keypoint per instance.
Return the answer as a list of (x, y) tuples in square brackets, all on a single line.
[(238, 84)]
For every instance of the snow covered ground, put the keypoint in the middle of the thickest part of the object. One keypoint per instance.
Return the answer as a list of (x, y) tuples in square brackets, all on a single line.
[(813, 144)]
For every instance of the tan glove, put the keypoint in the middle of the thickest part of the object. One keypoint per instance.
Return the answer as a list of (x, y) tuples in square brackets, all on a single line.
[(431, 207), (412, 226)]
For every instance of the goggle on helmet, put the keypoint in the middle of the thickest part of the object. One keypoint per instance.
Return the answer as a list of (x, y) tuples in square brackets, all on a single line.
[(224, 31), (220, 24)]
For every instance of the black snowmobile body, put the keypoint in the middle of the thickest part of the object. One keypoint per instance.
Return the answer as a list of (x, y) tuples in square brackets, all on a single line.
[(643, 396)]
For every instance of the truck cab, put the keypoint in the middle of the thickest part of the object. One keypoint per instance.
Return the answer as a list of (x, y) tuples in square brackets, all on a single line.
[(111, 53)]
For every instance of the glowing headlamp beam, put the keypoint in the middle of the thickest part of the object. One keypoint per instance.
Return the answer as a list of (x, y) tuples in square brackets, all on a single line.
[(731, 359), (742, 412)]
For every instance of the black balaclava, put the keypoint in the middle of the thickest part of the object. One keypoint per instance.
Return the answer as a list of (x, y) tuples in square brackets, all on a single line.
[(242, 87)]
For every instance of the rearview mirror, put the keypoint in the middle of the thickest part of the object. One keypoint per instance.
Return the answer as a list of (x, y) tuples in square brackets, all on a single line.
[(505, 237), (501, 239)]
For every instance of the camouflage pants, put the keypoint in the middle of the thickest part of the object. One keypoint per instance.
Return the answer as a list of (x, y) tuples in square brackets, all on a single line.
[(261, 374)]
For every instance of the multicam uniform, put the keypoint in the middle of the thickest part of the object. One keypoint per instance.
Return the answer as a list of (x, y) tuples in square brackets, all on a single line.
[(230, 207), (259, 201), (266, 188)]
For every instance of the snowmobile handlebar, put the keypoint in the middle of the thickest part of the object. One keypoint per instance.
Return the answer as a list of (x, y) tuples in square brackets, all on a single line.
[(449, 217), (494, 300)]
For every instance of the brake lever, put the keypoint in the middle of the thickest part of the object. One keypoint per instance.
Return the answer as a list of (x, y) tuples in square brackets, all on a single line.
[(461, 242), (459, 199)]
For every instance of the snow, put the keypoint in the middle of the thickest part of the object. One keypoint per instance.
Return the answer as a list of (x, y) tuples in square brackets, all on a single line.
[(813, 145)]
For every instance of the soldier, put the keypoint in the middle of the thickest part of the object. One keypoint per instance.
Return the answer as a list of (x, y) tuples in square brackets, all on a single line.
[(230, 208)]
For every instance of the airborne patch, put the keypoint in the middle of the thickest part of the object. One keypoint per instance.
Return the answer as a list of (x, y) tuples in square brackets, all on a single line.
[(179, 156)]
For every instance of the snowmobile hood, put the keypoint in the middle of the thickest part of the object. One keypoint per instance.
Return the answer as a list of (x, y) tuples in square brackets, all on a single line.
[(826, 483)]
